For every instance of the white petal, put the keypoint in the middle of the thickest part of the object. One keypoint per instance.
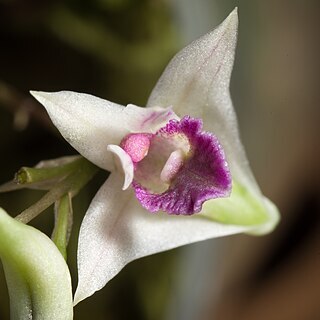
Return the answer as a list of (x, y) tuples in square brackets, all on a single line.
[(196, 83), (89, 123), (99, 237), (114, 233), (125, 163)]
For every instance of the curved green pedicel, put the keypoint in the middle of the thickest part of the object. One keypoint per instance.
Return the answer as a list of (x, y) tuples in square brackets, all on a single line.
[(37, 276), (241, 208)]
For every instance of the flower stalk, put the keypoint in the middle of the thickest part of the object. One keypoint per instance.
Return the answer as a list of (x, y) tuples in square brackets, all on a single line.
[(80, 173), (27, 175), (63, 223)]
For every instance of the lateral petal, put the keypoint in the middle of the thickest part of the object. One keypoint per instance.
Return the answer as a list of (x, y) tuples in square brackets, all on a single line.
[(90, 123)]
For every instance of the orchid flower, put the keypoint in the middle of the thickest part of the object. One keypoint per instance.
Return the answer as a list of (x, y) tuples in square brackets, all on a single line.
[(175, 179)]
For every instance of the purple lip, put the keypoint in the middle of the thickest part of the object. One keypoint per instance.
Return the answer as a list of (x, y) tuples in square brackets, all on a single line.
[(204, 174)]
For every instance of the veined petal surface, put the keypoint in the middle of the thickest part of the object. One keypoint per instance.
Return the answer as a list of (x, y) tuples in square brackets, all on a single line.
[(90, 123), (196, 83)]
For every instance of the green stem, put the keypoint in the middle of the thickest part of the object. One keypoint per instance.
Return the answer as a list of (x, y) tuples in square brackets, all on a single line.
[(63, 221), (45, 202), (72, 184), (31, 175)]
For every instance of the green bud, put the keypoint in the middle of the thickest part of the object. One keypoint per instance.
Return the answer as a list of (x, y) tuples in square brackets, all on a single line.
[(37, 276)]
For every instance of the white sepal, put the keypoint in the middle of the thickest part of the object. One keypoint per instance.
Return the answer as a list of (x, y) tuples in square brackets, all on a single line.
[(117, 230), (90, 123)]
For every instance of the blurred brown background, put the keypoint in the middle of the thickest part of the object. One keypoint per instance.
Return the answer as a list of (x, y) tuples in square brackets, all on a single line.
[(117, 49)]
